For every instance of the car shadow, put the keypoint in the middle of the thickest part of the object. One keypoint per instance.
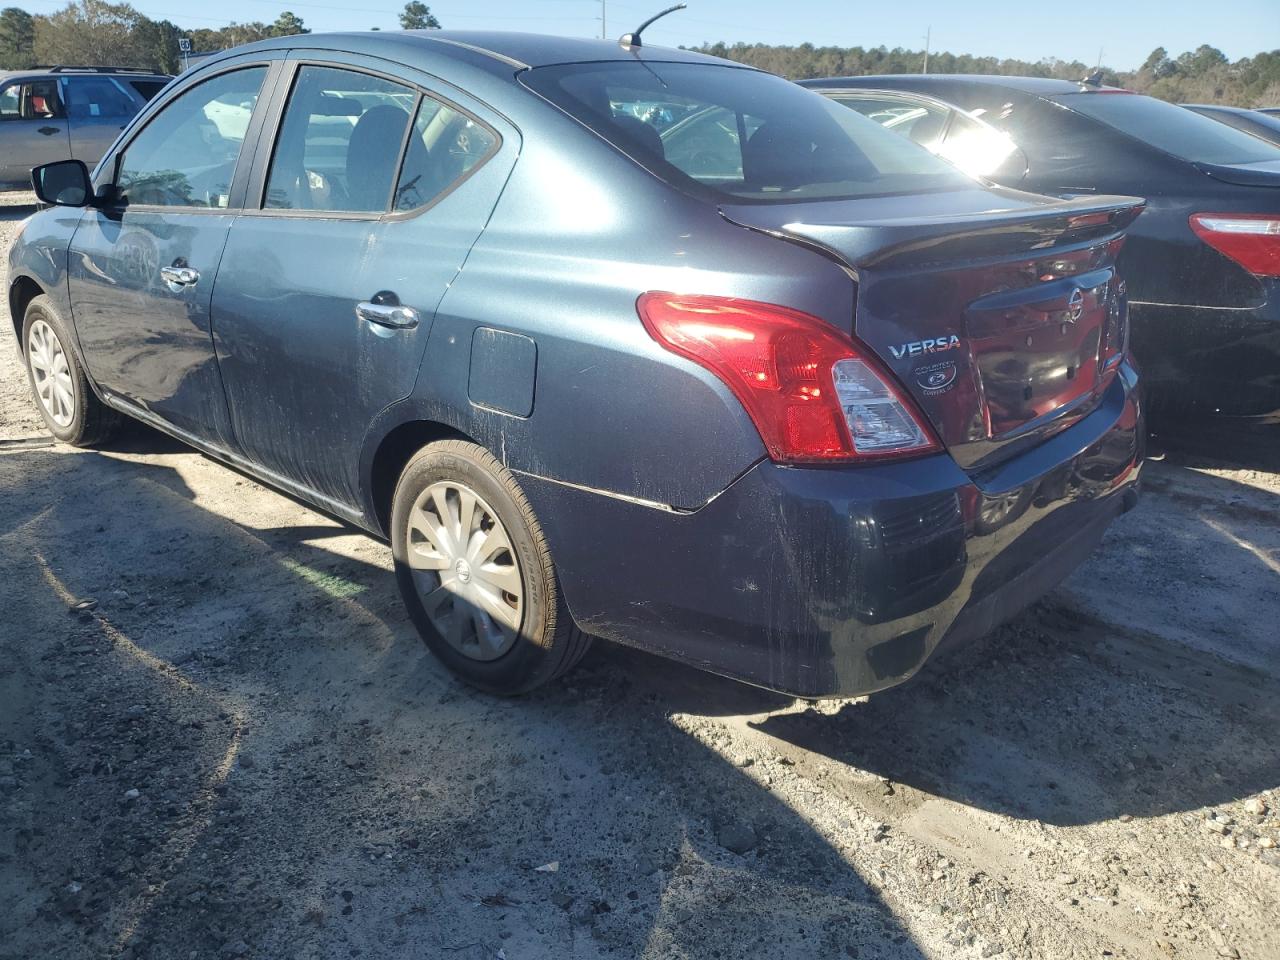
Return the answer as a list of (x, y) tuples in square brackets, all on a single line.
[(290, 739), (1079, 711), (343, 708)]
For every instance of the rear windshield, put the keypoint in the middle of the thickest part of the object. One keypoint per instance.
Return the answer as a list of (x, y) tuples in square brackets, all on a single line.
[(736, 135), (1171, 128)]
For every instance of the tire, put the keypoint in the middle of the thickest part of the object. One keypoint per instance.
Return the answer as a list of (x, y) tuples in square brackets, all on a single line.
[(71, 410), (490, 609)]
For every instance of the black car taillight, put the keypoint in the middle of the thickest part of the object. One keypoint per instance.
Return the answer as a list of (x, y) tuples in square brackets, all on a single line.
[(1250, 239)]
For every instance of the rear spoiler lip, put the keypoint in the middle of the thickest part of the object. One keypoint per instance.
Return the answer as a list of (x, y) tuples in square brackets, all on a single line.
[(885, 241), (1241, 174)]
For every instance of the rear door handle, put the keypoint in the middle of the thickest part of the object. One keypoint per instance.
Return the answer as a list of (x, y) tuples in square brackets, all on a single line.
[(392, 315), (178, 277), (48, 131)]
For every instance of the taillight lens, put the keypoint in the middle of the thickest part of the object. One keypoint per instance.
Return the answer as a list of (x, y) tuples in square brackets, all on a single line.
[(1251, 240), (814, 395)]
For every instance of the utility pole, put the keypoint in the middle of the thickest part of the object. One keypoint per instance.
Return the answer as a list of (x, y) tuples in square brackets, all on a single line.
[(927, 34), (1100, 49), (604, 19)]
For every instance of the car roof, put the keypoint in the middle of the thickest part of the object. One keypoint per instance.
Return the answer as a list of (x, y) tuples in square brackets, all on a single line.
[(39, 73), (1037, 86), (502, 50)]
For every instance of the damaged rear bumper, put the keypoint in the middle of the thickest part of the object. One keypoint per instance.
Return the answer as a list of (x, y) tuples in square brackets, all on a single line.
[(839, 582)]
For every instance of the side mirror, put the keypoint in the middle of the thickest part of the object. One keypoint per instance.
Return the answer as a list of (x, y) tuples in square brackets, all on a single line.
[(64, 183)]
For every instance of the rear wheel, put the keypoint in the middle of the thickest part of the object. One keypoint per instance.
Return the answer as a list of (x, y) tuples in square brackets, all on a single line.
[(476, 574), (71, 410)]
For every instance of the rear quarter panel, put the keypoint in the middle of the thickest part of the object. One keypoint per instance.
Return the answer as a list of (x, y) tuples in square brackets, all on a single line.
[(579, 233)]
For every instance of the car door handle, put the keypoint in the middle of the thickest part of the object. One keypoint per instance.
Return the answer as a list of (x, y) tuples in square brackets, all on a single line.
[(391, 315), (178, 277), (48, 131)]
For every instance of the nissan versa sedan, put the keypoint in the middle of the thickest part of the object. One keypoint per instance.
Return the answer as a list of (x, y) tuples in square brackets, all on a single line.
[(1202, 263), (771, 391)]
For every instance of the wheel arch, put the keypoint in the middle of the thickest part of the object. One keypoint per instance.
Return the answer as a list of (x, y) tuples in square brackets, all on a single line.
[(389, 455), (21, 292)]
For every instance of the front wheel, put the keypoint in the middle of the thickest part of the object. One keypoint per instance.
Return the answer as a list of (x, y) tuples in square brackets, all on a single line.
[(476, 574), (71, 410)]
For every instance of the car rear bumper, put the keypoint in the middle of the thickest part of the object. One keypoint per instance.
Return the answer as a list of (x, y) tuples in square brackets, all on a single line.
[(839, 582)]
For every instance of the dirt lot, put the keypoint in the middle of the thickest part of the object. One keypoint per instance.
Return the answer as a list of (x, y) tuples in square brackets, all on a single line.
[(245, 751)]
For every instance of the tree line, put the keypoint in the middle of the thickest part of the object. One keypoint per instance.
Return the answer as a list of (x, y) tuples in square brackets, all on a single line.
[(1203, 75), (94, 32), (98, 32)]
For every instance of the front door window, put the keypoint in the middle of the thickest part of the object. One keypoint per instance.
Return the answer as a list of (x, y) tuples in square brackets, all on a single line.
[(186, 156)]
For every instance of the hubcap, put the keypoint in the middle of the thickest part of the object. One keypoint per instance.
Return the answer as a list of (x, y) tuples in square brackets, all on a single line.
[(466, 570), (51, 374)]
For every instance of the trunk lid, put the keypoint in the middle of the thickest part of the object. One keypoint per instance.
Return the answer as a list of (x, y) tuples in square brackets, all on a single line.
[(1000, 312)]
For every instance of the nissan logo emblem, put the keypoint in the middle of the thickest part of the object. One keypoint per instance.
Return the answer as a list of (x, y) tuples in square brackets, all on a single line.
[(1075, 306)]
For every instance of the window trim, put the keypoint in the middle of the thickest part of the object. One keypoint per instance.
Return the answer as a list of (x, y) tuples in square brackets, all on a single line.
[(108, 169), (270, 134)]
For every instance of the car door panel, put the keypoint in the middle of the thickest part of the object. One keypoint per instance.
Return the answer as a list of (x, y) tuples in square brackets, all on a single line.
[(36, 134), (286, 300), (141, 272), (98, 108)]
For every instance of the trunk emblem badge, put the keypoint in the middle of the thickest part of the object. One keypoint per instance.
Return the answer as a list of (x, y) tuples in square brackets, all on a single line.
[(1075, 306)]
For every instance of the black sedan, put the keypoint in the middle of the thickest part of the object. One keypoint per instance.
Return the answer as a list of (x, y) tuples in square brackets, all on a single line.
[(1203, 263), (1265, 126)]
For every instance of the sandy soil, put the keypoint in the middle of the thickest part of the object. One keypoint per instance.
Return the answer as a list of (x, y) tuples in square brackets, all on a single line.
[(245, 751)]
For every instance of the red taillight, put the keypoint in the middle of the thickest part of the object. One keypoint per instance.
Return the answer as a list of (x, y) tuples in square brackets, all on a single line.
[(1250, 239), (814, 395)]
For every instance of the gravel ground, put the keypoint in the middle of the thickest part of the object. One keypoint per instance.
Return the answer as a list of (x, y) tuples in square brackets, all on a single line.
[(244, 751)]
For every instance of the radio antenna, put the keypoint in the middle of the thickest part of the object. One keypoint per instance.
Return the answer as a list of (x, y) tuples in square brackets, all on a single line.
[(631, 41)]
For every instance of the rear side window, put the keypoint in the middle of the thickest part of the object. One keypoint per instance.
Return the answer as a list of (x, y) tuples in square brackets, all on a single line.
[(147, 89), (186, 155), (1171, 128), (97, 97), (729, 134), (445, 146), (340, 142)]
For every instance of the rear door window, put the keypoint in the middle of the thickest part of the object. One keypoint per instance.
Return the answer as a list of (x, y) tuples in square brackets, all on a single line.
[(88, 97), (1171, 128), (340, 142), (732, 134)]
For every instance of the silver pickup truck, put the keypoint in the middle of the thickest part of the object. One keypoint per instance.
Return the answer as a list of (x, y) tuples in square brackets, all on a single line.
[(61, 113)]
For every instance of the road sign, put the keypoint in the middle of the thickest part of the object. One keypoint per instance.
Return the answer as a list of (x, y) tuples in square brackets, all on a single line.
[(184, 45)]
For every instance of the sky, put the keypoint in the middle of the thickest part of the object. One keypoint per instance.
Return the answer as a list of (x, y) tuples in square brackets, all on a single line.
[(1124, 30)]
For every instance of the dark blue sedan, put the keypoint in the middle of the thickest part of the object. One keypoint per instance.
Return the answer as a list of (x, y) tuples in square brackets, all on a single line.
[(607, 341)]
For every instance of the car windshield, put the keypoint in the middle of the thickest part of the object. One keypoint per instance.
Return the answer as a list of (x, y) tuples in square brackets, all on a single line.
[(729, 134), (1171, 128)]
